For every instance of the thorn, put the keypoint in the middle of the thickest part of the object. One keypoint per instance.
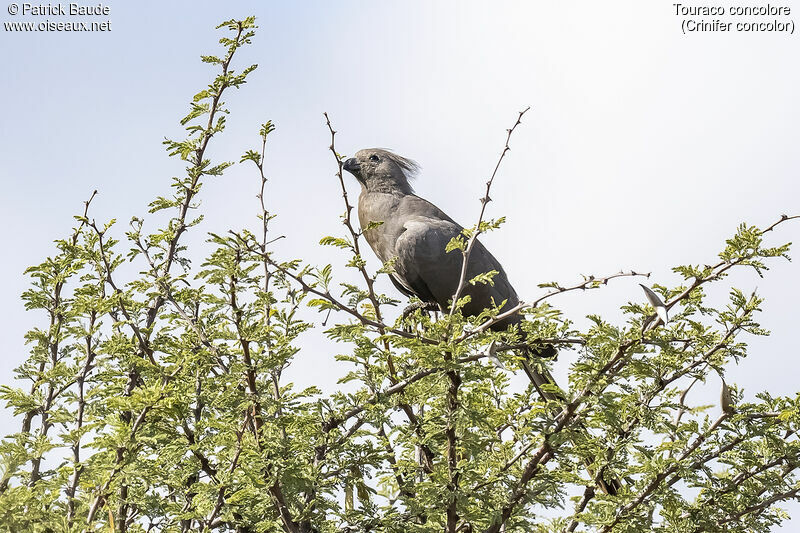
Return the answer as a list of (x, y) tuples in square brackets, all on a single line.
[(655, 301), (726, 399)]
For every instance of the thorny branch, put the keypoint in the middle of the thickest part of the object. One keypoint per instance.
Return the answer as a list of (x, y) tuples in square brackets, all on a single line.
[(589, 282), (294, 510), (196, 172), (484, 201)]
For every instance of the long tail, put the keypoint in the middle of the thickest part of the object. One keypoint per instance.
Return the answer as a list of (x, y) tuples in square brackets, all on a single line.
[(540, 378)]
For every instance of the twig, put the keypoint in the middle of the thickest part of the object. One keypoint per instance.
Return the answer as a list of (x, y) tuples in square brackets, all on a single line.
[(224, 487), (754, 509), (590, 282), (452, 450), (354, 235), (462, 279), (119, 462), (661, 476), (195, 173), (588, 494), (396, 388), (566, 418), (76, 447), (326, 295), (57, 323)]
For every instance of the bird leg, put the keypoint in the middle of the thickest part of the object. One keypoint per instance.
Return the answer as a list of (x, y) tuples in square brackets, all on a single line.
[(425, 306)]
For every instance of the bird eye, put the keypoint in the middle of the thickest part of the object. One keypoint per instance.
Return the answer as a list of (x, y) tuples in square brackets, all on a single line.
[(374, 158)]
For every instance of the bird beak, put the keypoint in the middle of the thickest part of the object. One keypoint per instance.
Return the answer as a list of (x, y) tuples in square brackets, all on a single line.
[(351, 165)]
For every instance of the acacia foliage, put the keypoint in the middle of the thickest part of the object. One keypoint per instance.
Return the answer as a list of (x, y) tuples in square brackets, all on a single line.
[(158, 403)]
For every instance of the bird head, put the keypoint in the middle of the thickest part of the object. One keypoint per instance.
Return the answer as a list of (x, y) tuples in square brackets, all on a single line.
[(381, 170)]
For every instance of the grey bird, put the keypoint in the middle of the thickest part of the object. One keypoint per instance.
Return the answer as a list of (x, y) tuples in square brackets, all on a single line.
[(413, 233)]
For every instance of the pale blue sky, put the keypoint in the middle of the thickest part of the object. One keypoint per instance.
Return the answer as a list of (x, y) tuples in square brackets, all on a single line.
[(644, 148)]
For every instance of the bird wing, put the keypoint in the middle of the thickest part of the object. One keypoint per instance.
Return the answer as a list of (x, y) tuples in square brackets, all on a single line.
[(415, 233), (422, 266), (414, 206), (433, 274), (401, 285)]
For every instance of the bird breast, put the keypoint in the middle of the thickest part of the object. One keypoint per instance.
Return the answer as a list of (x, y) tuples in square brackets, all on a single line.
[(380, 207)]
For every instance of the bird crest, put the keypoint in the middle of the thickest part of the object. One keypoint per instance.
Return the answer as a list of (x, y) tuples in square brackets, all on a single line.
[(409, 166)]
